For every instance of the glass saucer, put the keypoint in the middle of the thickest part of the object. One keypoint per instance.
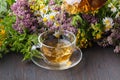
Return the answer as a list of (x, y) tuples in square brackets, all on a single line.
[(74, 60)]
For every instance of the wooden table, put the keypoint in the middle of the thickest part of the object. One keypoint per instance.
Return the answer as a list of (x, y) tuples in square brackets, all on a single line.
[(97, 64)]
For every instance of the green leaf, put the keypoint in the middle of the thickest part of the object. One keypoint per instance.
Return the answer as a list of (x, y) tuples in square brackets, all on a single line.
[(76, 19), (10, 2), (3, 6), (22, 37)]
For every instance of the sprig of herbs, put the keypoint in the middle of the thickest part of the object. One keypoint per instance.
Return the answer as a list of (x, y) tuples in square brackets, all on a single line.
[(16, 42)]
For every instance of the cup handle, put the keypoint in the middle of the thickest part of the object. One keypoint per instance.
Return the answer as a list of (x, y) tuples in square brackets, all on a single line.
[(34, 47), (38, 46)]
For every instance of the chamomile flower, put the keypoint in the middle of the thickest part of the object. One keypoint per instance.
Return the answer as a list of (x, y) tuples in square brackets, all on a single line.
[(112, 7), (108, 22), (44, 10), (45, 18), (52, 15), (49, 17)]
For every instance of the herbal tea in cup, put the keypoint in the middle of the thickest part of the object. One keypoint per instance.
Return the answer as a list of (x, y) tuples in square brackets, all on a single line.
[(57, 46)]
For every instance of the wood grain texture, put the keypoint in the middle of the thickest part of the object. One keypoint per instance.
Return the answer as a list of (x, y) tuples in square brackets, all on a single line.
[(97, 64)]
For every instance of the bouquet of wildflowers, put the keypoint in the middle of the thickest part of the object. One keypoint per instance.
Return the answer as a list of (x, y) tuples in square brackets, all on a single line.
[(91, 22)]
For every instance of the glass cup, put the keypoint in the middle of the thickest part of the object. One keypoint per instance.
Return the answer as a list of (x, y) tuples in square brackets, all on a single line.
[(56, 46)]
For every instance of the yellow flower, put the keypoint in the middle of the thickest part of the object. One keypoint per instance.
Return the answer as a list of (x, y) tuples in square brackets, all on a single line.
[(107, 21), (98, 36), (36, 8), (38, 5), (2, 32), (42, 6), (32, 7), (44, 11), (2, 35), (84, 40), (52, 17), (45, 19), (83, 43)]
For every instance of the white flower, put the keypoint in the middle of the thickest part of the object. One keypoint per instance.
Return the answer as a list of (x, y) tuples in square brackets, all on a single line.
[(71, 2), (108, 22), (117, 15), (52, 15), (113, 8), (48, 17), (44, 10)]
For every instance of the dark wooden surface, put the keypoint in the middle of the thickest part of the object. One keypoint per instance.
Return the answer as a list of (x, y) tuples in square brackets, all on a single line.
[(97, 64)]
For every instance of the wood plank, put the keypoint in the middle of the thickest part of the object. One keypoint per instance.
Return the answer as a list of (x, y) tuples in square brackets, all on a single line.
[(97, 64)]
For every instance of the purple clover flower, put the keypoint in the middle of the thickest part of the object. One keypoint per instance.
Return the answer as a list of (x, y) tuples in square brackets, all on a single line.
[(65, 23), (90, 18), (24, 18)]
